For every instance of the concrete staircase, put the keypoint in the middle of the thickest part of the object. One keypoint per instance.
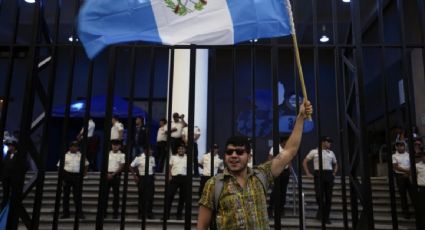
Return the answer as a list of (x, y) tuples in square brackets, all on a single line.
[(380, 194)]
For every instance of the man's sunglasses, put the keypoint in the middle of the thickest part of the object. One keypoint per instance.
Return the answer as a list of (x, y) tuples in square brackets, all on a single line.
[(239, 152)]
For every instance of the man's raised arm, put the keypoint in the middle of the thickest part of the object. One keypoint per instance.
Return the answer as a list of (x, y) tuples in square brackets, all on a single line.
[(293, 143)]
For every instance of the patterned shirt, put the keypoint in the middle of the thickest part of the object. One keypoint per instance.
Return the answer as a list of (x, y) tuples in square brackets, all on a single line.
[(240, 208)]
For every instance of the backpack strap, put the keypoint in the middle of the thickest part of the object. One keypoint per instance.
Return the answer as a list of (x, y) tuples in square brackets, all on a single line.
[(218, 188), (263, 180)]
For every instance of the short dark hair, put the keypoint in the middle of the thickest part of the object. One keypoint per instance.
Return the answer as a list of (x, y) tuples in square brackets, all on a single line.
[(115, 117), (239, 141), (326, 138), (163, 120)]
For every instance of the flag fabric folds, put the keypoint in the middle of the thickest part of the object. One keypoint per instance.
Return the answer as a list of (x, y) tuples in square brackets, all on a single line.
[(180, 22)]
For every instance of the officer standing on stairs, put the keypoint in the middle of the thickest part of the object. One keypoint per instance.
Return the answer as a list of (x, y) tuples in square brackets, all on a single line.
[(115, 167), (330, 168), (71, 177), (145, 183)]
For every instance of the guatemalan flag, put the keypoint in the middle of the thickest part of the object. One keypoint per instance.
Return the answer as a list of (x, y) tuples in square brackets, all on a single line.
[(180, 22)]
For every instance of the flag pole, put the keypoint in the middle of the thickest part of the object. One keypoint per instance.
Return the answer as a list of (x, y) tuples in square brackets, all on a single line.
[(297, 52)]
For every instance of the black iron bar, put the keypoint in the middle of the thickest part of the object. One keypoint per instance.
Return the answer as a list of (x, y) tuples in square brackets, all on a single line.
[(130, 140), (190, 145), (106, 140)]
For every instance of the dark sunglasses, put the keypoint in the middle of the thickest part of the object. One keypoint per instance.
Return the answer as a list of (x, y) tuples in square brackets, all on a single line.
[(239, 152)]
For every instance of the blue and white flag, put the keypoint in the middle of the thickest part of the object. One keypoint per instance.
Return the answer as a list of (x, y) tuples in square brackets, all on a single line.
[(180, 22)]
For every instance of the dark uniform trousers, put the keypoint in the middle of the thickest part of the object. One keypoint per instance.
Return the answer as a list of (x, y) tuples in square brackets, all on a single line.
[(114, 183), (404, 187), (327, 187), (284, 180), (70, 180), (160, 154), (177, 182), (146, 188)]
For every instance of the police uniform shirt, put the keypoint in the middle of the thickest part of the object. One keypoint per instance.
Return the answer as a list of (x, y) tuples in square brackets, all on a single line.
[(140, 161), (178, 132), (179, 165), (185, 132), (420, 170), (328, 158), (90, 129), (206, 163), (280, 150), (403, 161), (115, 130), (72, 162), (162, 134), (115, 160)]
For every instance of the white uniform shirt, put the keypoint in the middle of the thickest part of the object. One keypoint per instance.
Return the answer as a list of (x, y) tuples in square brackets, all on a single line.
[(178, 132), (205, 161), (185, 132), (162, 134), (72, 162), (420, 170), (280, 150), (115, 130), (140, 161), (328, 158), (91, 128), (178, 165), (115, 160), (403, 161)]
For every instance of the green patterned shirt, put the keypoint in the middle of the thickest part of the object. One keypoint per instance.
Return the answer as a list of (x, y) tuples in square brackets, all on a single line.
[(240, 208)]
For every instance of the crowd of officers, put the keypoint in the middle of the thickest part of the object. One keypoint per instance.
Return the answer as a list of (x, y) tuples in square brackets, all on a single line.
[(142, 153)]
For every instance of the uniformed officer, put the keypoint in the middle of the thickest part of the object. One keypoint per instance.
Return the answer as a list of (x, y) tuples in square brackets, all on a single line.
[(401, 166), (71, 177), (205, 163), (284, 180), (14, 167), (330, 168), (420, 170), (178, 172), (145, 182), (115, 167)]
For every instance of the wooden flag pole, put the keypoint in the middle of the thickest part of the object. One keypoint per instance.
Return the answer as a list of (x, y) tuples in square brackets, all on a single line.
[(297, 52)]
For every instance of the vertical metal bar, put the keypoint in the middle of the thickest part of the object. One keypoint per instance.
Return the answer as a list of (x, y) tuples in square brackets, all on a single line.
[(48, 109), (253, 108), (9, 74), (192, 76), (366, 219), (339, 112), (421, 10), (394, 218), (275, 103), (167, 156), (130, 140), (29, 94), (317, 102), (407, 93), (106, 140), (151, 91), (89, 91), (234, 76), (64, 138)]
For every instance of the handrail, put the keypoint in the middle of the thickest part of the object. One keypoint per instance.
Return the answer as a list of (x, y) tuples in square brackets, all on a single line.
[(294, 182)]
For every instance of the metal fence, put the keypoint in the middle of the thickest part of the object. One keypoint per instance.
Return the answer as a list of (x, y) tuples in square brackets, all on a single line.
[(34, 45)]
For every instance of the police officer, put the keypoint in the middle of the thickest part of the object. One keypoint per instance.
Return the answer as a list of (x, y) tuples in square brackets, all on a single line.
[(284, 180), (401, 166), (115, 167), (205, 163), (178, 171), (14, 167), (330, 168), (71, 177), (146, 183)]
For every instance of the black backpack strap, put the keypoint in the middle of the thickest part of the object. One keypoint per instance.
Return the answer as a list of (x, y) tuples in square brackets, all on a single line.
[(218, 188)]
